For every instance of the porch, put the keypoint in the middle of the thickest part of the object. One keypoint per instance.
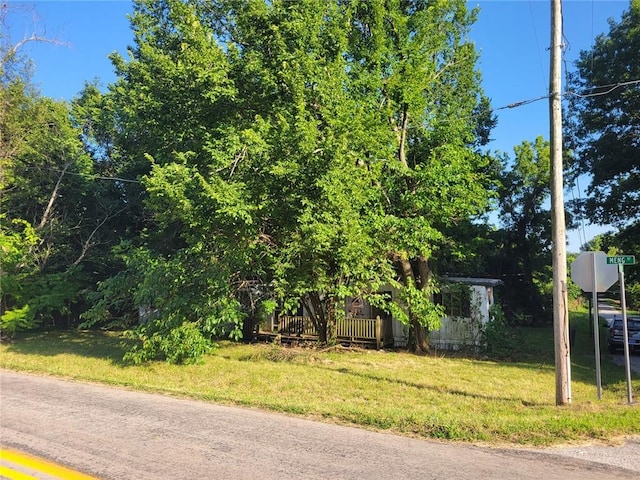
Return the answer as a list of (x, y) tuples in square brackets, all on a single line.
[(363, 331)]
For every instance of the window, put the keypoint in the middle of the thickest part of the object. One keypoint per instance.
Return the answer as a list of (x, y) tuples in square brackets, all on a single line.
[(456, 300)]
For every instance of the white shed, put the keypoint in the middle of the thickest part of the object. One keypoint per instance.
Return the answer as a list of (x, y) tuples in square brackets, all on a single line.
[(465, 318)]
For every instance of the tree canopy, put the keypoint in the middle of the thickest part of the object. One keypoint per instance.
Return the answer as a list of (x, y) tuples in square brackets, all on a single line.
[(53, 212), (604, 135), (320, 148), (303, 152), (604, 118), (523, 254)]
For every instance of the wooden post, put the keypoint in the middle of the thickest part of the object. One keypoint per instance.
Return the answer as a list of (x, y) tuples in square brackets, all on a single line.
[(558, 236)]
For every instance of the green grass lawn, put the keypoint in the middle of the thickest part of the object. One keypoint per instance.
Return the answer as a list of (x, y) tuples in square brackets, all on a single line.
[(452, 397)]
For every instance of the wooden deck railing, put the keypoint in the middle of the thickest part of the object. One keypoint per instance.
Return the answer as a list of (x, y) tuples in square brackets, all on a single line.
[(361, 329), (296, 325), (355, 330)]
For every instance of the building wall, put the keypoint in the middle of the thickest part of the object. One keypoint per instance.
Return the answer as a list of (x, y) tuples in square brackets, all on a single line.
[(459, 332), (455, 332)]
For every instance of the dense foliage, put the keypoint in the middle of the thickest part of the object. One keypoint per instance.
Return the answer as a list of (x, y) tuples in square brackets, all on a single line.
[(311, 150), (604, 133), (255, 155), (523, 254), (54, 210), (604, 106)]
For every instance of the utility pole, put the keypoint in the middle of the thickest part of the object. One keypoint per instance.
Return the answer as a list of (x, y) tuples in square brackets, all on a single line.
[(558, 235)]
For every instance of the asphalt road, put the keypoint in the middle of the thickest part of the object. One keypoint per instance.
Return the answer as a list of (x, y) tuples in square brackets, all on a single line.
[(114, 434)]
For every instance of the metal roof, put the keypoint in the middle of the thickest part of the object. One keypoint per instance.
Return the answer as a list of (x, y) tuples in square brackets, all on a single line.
[(485, 282)]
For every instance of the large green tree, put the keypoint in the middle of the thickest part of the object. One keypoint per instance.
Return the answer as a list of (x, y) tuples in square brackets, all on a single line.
[(604, 133), (322, 148), (53, 209), (604, 112), (415, 78), (523, 243), (257, 179)]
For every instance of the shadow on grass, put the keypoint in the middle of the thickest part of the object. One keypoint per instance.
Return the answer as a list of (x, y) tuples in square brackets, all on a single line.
[(277, 354), (103, 345), (435, 388), (583, 355), (537, 353)]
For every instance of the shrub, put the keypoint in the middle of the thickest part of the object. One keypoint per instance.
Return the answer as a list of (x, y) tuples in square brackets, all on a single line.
[(497, 338), (16, 320), (632, 293), (181, 344)]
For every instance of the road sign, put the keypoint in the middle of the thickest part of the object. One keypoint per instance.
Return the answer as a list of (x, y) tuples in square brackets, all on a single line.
[(621, 260), (593, 274), (582, 272)]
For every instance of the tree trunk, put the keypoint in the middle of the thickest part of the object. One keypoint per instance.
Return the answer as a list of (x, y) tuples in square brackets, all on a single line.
[(318, 316), (420, 340), (423, 282), (421, 337), (331, 326), (52, 198)]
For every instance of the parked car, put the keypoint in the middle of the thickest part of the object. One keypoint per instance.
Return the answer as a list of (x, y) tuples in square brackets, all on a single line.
[(614, 338)]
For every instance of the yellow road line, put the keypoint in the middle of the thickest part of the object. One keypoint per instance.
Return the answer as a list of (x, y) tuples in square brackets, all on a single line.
[(41, 465), (6, 472)]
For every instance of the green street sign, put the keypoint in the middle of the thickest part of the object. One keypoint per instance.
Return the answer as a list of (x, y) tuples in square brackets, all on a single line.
[(621, 260)]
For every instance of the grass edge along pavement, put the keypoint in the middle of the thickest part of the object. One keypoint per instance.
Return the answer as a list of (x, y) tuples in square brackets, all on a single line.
[(449, 397)]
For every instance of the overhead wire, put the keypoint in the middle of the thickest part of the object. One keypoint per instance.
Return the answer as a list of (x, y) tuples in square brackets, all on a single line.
[(577, 179), (535, 34), (594, 91), (84, 175), (582, 232), (610, 87)]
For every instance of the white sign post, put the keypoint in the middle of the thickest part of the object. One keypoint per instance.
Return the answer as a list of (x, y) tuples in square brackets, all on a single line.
[(593, 274), (621, 260)]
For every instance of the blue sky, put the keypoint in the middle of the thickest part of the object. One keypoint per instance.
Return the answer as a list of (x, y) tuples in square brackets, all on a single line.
[(512, 37)]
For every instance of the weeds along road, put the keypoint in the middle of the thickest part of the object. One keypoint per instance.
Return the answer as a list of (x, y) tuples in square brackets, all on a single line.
[(113, 433)]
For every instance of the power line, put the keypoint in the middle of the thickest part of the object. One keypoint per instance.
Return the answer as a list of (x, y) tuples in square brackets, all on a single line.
[(535, 34), (582, 234), (84, 175), (573, 197), (610, 88), (523, 102), (582, 223)]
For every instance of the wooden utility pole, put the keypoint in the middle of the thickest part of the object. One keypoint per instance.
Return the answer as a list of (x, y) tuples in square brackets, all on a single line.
[(558, 235)]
